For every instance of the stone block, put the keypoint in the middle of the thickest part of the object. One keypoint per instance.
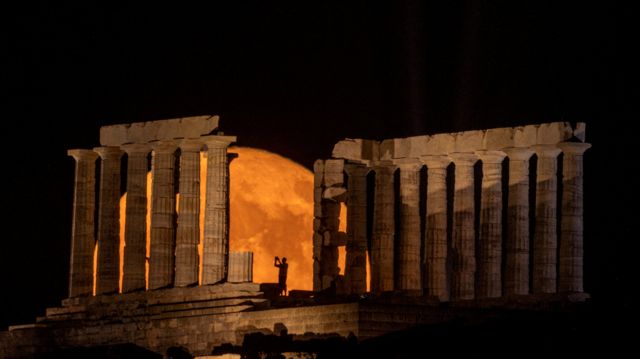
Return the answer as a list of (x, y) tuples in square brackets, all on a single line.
[(335, 194), (144, 132), (468, 141), (333, 173), (554, 132), (498, 138)]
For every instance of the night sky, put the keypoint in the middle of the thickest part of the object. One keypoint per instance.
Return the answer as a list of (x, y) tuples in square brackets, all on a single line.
[(294, 78)]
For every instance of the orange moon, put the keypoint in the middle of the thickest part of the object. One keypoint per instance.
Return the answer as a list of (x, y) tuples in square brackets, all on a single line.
[(271, 214)]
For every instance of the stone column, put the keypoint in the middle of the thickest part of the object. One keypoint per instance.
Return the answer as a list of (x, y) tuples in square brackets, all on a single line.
[(490, 244), (382, 243), (82, 235), (107, 276), (408, 278), (216, 216), (135, 229), (571, 241), (463, 241), (545, 240), (188, 232), (435, 237), (356, 261), (516, 276), (163, 215)]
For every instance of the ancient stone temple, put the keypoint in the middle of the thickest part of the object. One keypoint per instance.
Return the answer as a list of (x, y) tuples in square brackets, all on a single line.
[(451, 216), (485, 221)]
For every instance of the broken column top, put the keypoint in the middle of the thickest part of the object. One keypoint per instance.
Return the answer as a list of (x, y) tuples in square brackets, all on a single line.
[(144, 132), (359, 150)]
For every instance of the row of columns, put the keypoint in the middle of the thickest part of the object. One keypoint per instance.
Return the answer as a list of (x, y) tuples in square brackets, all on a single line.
[(474, 272), (173, 259)]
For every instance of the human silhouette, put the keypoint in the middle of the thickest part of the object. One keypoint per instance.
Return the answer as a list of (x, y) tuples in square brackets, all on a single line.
[(283, 266)]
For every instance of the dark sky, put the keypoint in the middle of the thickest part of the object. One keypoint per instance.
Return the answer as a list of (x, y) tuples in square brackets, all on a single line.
[(293, 78)]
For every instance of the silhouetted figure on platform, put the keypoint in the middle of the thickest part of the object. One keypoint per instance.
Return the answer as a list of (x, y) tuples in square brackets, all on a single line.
[(282, 275)]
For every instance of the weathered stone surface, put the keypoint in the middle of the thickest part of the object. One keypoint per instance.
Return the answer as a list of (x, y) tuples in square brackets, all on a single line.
[(356, 261), (435, 238), (135, 231), (382, 243), (82, 236), (408, 277), (188, 231), (571, 266), (545, 241), (463, 242), (336, 194), (333, 173), (489, 252), (143, 132), (516, 276), (216, 217), (240, 267), (108, 262), (163, 215), (357, 150)]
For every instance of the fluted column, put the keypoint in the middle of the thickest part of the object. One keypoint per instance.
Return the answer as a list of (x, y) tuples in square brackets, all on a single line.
[(435, 238), (408, 278), (108, 221), (463, 242), (516, 276), (545, 241), (382, 243), (163, 215), (135, 229), (490, 244), (82, 235), (356, 261), (216, 221), (571, 222), (188, 232)]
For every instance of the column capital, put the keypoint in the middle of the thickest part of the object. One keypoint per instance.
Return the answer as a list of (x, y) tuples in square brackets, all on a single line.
[(109, 152), (464, 158), (491, 156), (190, 144), (518, 153), (218, 141), (408, 164), (436, 161), (83, 154), (385, 164), (574, 148), (164, 146), (356, 169), (135, 148), (546, 150)]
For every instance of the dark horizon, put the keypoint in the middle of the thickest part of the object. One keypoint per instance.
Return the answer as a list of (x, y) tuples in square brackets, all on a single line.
[(296, 78)]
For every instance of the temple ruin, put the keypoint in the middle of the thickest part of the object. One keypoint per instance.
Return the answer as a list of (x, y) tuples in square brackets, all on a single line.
[(454, 250), (482, 220)]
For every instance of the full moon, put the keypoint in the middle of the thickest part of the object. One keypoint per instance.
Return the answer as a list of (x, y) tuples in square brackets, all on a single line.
[(271, 214)]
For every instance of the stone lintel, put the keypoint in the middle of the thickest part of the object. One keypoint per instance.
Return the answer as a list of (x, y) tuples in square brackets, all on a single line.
[(143, 132)]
